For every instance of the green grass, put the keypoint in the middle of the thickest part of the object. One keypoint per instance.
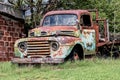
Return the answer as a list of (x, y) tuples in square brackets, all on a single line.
[(94, 69)]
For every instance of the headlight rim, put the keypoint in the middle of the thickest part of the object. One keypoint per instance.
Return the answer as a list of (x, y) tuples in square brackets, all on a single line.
[(55, 43), (25, 46)]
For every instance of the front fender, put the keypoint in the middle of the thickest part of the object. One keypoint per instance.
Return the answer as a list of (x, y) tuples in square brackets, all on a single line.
[(66, 46)]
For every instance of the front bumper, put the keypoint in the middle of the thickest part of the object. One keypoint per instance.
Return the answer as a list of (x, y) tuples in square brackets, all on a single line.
[(37, 60)]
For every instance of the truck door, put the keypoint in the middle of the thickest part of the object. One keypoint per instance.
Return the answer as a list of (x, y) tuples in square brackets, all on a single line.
[(88, 34)]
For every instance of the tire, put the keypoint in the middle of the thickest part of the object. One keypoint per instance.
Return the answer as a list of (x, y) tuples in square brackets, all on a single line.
[(76, 54)]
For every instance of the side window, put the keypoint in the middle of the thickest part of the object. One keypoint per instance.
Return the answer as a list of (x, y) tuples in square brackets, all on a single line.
[(85, 20)]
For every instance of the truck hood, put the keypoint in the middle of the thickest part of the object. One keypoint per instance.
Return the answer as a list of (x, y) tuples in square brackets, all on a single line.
[(54, 31)]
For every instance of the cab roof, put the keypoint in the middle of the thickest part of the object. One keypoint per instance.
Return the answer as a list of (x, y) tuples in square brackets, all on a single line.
[(67, 12)]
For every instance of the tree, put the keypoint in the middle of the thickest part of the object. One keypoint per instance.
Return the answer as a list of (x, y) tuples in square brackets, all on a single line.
[(115, 15), (17, 3), (108, 9)]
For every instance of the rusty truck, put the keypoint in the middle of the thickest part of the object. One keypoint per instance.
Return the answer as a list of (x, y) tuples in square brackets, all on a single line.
[(66, 35)]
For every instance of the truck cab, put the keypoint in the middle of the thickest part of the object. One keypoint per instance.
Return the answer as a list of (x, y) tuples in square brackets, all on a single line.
[(62, 35)]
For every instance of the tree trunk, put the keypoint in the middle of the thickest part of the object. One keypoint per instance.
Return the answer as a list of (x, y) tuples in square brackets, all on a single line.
[(32, 13)]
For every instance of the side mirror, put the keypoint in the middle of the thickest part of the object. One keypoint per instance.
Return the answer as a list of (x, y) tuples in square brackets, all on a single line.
[(79, 25)]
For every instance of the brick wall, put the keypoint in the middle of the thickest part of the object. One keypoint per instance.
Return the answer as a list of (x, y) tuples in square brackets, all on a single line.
[(10, 31)]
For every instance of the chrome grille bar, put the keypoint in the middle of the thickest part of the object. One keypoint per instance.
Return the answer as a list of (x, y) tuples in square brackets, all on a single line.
[(38, 48)]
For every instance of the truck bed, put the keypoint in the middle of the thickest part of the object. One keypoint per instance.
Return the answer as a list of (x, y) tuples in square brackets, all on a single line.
[(115, 38)]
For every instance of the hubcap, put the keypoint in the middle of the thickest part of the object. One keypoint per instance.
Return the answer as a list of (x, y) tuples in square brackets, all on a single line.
[(76, 57)]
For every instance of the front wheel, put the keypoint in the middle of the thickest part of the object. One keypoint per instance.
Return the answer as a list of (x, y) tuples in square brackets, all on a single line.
[(76, 54)]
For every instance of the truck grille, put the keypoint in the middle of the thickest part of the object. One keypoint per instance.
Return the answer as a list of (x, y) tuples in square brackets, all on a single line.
[(38, 48)]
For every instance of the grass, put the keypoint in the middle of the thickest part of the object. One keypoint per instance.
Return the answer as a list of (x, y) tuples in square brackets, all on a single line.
[(95, 69)]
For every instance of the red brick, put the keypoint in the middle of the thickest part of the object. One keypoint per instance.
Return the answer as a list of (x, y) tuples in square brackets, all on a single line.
[(21, 35), (20, 25), (4, 48), (1, 48), (1, 38), (1, 33), (12, 49), (18, 30), (3, 28), (12, 34), (17, 38), (6, 34), (0, 16), (11, 44), (1, 22), (9, 29), (6, 23), (9, 38), (6, 44), (14, 39), (16, 24), (16, 34), (9, 49), (10, 23), (13, 29), (4, 38), (11, 55), (1, 43)]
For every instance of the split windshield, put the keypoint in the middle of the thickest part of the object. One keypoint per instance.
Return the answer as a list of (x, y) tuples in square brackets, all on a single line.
[(60, 20)]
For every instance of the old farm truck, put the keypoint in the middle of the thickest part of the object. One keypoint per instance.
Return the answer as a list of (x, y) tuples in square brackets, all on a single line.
[(66, 35)]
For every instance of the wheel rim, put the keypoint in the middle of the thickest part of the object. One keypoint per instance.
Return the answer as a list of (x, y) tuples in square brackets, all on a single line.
[(75, 56)]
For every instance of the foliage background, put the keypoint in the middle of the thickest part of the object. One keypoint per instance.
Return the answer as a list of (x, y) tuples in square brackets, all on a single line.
[(109, 9)]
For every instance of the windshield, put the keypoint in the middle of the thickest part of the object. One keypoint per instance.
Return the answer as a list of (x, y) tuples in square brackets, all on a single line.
[(60, 20)]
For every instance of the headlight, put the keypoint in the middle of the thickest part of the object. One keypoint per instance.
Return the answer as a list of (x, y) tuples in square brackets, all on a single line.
[(55, 46), (22, 46)]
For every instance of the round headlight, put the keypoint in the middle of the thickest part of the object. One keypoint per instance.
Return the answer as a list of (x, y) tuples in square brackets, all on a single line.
[(55, 46), (22, 46)]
